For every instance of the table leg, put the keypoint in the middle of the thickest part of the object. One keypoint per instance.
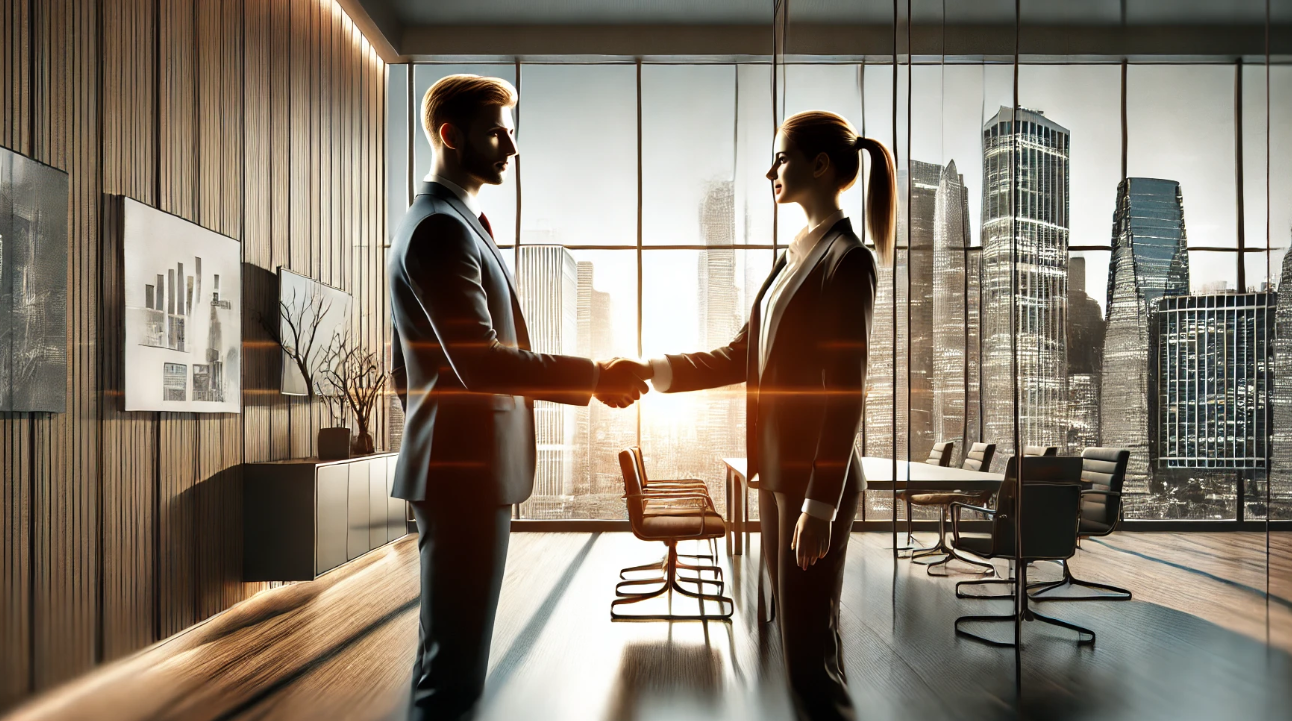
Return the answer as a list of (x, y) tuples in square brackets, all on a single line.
[(744, 514), (739, 506), (731, 495)]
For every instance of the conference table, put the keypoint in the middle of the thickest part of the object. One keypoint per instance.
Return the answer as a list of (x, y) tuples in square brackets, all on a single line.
[(880, 476)]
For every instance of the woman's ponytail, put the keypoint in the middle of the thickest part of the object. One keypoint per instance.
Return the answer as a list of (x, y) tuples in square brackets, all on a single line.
[(881, 199)]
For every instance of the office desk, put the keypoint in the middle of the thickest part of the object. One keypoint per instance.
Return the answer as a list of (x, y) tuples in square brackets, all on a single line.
[(879, 477)]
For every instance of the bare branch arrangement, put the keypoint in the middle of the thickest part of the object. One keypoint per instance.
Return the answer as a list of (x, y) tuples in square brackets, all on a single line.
[(299, 340), (357, 376)]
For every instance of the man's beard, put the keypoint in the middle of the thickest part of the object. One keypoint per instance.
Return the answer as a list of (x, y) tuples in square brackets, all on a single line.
[(479, 167)]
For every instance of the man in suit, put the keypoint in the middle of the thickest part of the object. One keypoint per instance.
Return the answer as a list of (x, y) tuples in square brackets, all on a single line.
[(467, 378)]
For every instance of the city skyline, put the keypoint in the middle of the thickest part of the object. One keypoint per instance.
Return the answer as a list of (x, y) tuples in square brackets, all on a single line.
[(1063, 313)]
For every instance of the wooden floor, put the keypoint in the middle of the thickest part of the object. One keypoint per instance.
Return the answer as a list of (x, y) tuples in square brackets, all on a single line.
[(1192, 645)]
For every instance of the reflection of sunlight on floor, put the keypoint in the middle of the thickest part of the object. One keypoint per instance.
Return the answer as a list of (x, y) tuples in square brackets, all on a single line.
[(584, 666)]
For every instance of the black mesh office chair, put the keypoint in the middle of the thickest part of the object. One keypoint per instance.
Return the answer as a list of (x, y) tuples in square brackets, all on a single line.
[(1051, 502), (1040, 451), (1103, 473)]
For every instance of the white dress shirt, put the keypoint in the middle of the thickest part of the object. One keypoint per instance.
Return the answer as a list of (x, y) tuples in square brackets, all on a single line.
[(468, 199), (795, 254)]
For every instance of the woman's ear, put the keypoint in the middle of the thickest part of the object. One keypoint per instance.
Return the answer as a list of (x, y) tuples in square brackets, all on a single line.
[(820, 164)]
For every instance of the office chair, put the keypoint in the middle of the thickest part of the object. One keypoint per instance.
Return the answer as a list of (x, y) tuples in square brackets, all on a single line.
[(1103, 473), (1051, 509), (670, 517)]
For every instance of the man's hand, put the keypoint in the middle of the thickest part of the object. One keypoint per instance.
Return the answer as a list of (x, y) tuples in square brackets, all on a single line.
[(622, 381), (811, 540)]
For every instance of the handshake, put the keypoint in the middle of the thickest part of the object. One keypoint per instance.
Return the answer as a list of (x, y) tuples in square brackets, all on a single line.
[(622, 381)]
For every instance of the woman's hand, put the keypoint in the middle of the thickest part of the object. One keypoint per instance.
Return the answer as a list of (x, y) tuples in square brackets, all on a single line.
[(811, 540)]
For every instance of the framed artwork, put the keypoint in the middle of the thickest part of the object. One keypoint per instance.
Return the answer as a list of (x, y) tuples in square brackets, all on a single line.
[(33, 285), (313, 317), (183, 295)]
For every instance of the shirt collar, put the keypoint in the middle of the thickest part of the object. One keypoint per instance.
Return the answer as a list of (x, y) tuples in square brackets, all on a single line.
[(806, 240), (469, 200)]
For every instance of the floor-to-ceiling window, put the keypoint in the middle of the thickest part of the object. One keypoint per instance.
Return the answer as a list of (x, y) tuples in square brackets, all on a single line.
[(646, 227)]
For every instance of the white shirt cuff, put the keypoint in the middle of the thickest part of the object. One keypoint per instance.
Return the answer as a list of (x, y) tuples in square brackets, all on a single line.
[(663, 374), (819, 509)]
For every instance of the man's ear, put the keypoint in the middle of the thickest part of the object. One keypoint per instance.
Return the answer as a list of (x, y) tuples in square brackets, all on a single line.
[(449, 136), (820, 164)]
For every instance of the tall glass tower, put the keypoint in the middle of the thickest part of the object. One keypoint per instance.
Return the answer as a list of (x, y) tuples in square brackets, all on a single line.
[(1281, 428), (955, 295), (549, 299), (1149, 261), (1025, 255), (1085, 359)]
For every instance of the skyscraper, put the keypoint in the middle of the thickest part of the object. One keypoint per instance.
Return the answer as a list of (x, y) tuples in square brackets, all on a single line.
[(1212, 360), (920, 189), (1281, 429), (1025, 242), (548, 282), (1085, 359), (886, 368), (721, 417), (954, 337), (1149, 260)]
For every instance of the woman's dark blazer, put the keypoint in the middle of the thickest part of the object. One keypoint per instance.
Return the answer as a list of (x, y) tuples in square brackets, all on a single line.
[(805, 410)]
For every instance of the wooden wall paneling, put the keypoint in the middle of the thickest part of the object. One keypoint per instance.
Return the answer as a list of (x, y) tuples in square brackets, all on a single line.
[(120, 528), (231, 425), (260, 385), (297, 191), (129, 449), (179, 431), (321, 249), (280, 89), (15, 455)]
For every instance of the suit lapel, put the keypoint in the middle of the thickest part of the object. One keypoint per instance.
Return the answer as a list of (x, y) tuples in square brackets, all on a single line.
[(792, 284), (522, 330), (756, 321)]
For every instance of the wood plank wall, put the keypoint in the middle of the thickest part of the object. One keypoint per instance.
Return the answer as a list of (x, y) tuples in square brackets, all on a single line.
[(259, 119)]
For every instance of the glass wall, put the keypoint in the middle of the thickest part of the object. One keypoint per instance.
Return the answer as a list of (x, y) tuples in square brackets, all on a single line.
[(644, 203)]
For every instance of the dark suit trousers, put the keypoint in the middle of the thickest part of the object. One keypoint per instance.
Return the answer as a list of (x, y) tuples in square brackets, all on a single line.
[(807, 606), (463, 547)]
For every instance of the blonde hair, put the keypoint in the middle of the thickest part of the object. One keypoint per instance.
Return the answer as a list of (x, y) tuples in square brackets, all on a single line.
[(455, 99), (816, 132)]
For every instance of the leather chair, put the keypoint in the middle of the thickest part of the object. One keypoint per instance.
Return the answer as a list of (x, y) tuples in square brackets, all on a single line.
[(1050, 509), (977, 459), (669, 517), (1103, 473), (1040, 451), (693, 485), (941, 454)]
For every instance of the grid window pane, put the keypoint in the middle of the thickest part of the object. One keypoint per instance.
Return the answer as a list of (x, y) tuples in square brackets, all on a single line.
[(696, 300), (688, 154), (1180, 128), (578, 157), (580, 303)]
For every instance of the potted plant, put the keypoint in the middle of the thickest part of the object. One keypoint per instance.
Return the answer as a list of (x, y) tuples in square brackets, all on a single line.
[(359, 380)]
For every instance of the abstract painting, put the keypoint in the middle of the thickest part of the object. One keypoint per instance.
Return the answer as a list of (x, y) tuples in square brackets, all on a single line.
[(183, 295), (33, 285), (312, 318)]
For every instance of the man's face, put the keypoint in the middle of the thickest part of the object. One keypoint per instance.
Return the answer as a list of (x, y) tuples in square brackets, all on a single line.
[(490, 144)]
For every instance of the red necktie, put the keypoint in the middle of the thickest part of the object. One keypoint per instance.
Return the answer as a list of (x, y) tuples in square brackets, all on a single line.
[(484, 220)]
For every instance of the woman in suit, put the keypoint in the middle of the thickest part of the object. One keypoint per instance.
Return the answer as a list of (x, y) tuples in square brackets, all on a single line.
[(802, 356)]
